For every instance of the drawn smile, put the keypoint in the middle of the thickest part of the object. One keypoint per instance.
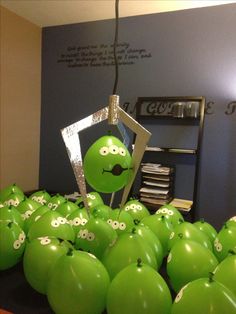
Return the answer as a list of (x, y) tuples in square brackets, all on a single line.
[(116, 170)]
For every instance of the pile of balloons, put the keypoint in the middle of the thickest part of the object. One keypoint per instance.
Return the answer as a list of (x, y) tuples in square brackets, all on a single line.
[(104, 259)]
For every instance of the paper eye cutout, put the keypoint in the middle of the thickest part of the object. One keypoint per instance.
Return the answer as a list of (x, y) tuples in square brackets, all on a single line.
[(61, 220), (90, 236), (104, 151), (16, 244), (109, 221), (83, 221), (76, 221), (45, 241), (113, 149), (55, 223), (169, 257), (127, 208), (122, 151), (122, 226), (172, 235), (21, 237), (83, 233), (115, 224)]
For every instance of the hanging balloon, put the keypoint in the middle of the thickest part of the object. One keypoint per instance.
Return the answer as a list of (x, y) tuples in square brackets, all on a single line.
[(93, 199), (128, 247), (225, 272), (225, 241), (136, 209), (39, 259), (107, 165), (190, 232), (95, 237), (204, 296), (52, 224), (138, 288), (42, 197), (162, 228), (78, 284), (188, 260), (120, 221), (171, 213), (12, 244), (206, 228)]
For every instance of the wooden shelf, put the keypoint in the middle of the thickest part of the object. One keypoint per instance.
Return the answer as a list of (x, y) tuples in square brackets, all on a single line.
[(170, 150)]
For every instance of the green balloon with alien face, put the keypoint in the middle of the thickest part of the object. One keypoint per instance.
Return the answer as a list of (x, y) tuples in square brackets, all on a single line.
[(107, 165)]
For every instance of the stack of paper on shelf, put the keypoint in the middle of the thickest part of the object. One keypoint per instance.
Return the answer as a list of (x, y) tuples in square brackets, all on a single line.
[(156, 186)]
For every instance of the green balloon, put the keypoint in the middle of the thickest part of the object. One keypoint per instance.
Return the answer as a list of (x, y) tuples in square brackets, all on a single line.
[(52, 224), (27, 207), (190, 232), (138, 289), (93, 199), (120, 221), (149, 236), (126, 250), (39, 259), (101, 211), (66, 208), (95, 237), (225, 241), (13, 199), (207, 229), (42, 197), (12, 244), (55, 201), (107, 165), (78, 219), (136, 209), (10, 213), (162, 228), (36, 215), (171, 213), (204, 296), (78, 284), (188, 260), (13, 188), (225, 272), (231, 222)]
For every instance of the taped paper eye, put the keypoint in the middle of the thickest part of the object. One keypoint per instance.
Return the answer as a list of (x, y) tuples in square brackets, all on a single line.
[(54, 206), (83, 233), (109, 221), (50, 205), (139, 207), (91, 196), (45, 241), (172, 235), (21, 237), (170, 212), (113, 149), (90, 236), (27, 214), (61, 220), (16, 244), (115, 224), (132, 206), (122, 151), (159, 211), (216, 242), (165, 210), (127, 208), (122, 226), (76, 221), (169, 257), (180, 294), (219, 247), (55, 223), (83, 221), (104, 151)]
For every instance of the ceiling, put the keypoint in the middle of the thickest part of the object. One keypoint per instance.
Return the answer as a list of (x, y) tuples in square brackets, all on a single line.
[(58, 12)]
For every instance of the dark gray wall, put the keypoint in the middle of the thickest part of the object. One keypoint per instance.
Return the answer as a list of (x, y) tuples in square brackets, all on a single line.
[(189, 52)]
